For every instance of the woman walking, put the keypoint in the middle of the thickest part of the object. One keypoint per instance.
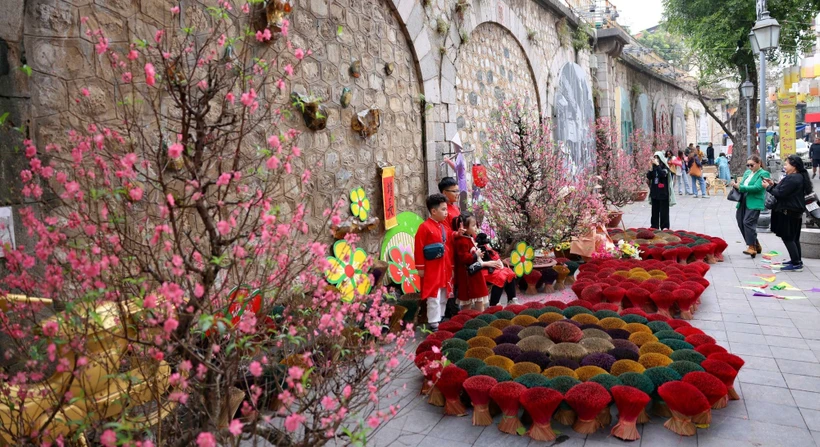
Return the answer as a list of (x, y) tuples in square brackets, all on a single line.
[(696, 173), (675, 167), (723, 168), (751, 203), (787, 215), (683, 173), (660, 191)]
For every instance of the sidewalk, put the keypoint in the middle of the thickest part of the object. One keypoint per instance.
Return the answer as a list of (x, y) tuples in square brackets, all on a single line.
[(778, 339)]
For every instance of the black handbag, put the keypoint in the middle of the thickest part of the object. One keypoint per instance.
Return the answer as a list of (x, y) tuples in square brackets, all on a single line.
[(771, 201), (435, 251), (734, 195), (474, 268)]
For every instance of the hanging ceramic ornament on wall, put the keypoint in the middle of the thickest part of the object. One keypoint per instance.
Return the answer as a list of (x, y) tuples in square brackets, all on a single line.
[(366, 122), (346, 97), (356, 69), (313, 111), (389, 68)]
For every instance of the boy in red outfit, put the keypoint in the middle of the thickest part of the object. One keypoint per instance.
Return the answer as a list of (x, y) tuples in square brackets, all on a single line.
[(448, 187), (435, 273)]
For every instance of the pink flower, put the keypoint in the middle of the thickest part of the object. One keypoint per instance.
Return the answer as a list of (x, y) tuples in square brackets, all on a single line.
[(170, 199), (274, 142), (373, 422), (175, 150), (235, 428), (272, 163), (293, 421), (102, 45), (199, 290), (109, 438), (150, 73), (85, 92), (229, 97), (289, 69), (135, 194), (158, 35), (280, 84), (170, 325), (224, 179), (175, 10), (248, 97), (299, 53), (255, 368), (206, 439), (132, 55), (223, 227), (126, 77), (203, 85), (329, 403), (346, 391), (263, 36), (149, 302)]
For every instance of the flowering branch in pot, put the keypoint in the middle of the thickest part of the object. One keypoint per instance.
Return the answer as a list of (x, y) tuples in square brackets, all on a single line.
[(620, 175)]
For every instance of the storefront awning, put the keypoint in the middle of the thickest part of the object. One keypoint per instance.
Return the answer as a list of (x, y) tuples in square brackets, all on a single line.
[(813, 117)]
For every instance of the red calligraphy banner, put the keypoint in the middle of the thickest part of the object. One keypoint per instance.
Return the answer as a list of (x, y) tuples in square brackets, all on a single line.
[(389, 193)]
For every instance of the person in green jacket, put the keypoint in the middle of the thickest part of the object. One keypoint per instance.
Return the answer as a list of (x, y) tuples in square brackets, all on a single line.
[(751, 203)]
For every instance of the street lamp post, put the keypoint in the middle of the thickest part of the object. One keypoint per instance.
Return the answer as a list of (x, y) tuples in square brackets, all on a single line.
[(764, 37), (748, 90)]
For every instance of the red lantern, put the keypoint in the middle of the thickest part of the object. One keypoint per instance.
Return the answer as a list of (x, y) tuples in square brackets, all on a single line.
[(479, 176)]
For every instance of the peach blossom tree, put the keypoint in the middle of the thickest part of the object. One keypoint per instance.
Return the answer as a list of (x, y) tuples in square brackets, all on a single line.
[(166, 240)]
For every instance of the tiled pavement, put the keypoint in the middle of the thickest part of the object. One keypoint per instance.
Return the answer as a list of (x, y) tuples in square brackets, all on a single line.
[(780, 341)]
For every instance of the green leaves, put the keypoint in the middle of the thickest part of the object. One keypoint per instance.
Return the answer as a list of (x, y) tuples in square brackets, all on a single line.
[(26, 69), (3, 118)]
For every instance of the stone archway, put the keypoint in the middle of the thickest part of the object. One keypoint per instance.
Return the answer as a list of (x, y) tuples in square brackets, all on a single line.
[(503, 73), (663, 120), (573, 114), (643, 114), (627, 123), (679, 126)]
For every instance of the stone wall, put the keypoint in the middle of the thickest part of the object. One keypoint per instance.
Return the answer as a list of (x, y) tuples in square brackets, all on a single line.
[(491, 68)]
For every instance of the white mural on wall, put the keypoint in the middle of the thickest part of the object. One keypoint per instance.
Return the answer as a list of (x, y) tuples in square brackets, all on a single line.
[(573, 116)]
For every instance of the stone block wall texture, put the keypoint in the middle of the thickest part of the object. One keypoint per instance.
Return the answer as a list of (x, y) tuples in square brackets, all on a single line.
[(491, 68)]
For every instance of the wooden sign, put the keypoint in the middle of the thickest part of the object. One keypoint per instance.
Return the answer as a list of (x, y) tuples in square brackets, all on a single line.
[(389, 194)]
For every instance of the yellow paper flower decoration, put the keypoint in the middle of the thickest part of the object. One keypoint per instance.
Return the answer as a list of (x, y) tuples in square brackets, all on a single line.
[(359, 203), (521, 259), (345, 270)]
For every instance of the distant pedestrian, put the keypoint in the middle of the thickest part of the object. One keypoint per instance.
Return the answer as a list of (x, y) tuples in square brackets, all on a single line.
[(723, 168), (675, 166), (696, 173), (787, 215), (683, 181), (710, 154), (751, 203), (814, 154)]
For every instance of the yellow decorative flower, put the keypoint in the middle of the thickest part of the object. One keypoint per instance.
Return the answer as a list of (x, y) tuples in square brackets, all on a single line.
[(521, 259), (359, 203), (345, 270)]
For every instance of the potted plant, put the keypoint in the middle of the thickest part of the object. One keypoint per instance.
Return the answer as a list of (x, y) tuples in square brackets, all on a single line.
[(618, 174)]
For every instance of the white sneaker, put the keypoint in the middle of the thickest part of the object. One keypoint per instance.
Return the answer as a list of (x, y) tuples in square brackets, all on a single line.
[(514, 301)]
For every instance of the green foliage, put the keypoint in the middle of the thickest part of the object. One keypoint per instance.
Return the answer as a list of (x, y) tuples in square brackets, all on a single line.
[(563, 31), (580, 38), (671, 47), (442, 26), (718, 31)]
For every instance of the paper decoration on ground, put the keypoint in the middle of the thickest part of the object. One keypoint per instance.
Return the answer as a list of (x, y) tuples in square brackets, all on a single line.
[(402, 235), (768, 256), (784, 286), (389, 197), (566, 349), (345, 270), (813, 289), (359, 203), (521, 259), (766, 277), (402, 270)]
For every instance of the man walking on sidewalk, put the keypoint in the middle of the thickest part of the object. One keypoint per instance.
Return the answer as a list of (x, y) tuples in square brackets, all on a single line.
[(710, 154), (814, 154)]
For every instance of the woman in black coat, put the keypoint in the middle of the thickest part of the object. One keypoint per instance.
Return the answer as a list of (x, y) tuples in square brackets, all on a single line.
[(787, 214)]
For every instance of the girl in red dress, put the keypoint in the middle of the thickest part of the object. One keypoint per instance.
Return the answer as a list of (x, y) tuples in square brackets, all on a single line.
[(471, 288), (501, 279)]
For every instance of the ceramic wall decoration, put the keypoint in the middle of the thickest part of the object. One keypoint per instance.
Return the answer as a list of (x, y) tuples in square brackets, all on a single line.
[(366, 122), (389, 68), (356, 69), (346, 97), (313, 111), (271, 14)]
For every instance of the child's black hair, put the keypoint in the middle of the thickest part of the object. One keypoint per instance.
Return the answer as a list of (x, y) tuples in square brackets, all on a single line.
[(434, 200), (462, 219), (445, 183)]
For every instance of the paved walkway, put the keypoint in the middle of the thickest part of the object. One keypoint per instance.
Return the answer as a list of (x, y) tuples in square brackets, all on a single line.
[(780, 341)]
